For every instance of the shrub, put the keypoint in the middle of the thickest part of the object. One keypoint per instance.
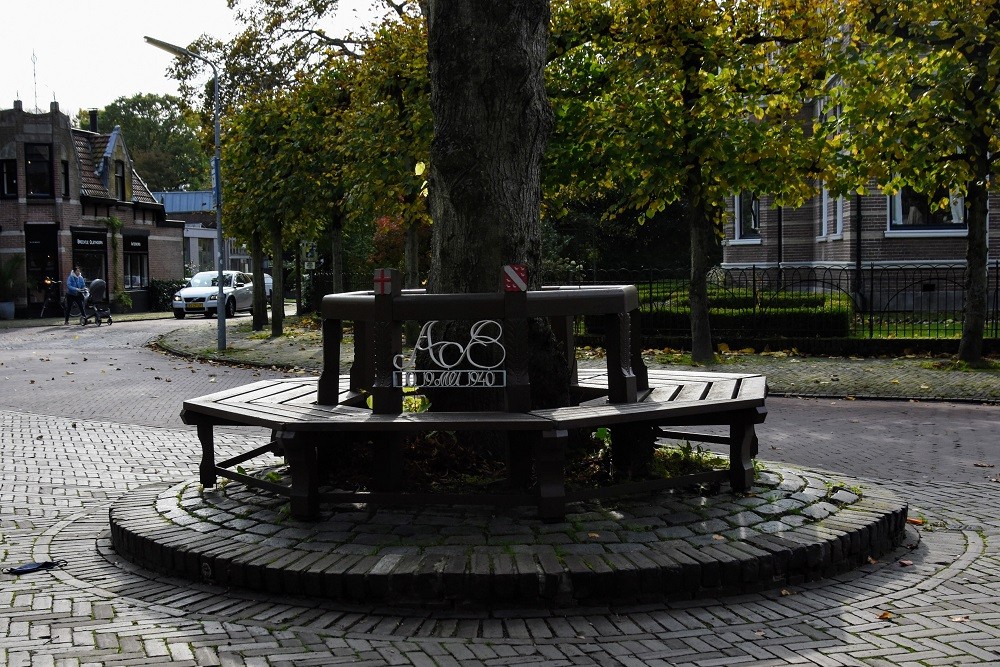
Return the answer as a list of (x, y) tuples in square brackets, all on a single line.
[(161, 294)]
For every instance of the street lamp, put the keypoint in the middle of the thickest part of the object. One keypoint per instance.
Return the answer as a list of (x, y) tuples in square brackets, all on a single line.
[(220, 303)]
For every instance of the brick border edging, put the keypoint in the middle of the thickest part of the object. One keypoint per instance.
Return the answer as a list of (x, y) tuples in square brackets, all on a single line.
[(664, 571)]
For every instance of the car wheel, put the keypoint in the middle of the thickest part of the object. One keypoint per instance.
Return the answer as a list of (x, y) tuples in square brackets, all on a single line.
[(179, 314), (230, 308)]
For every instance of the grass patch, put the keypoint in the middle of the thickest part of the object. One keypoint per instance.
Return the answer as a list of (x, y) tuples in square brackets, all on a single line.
[(989, 365)]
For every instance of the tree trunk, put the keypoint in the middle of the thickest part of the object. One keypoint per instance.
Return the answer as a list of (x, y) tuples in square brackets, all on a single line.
[(970, 349), (278, 275), (259, 288), (336, 253), (492, 121), (701, 224)]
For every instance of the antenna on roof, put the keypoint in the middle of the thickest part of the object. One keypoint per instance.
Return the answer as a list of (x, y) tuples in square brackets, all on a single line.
[(34, 75)]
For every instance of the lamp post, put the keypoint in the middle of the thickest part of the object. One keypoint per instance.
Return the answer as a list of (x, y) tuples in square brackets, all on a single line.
[(220, 303)]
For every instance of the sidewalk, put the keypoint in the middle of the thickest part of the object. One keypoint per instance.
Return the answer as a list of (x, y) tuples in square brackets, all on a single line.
[(88, 424), (915, 378)]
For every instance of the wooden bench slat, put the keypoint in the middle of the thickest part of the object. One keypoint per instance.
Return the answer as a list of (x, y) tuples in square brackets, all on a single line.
[(724, 389)]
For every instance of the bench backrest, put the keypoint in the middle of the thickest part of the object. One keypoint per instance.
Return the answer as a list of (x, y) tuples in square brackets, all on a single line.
[(379, 315)]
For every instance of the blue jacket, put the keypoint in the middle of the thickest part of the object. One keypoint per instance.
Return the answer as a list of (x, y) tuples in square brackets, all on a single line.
[(74, 283)]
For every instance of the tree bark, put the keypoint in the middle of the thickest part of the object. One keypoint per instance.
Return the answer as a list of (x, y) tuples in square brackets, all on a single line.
[(336, 253), (278, 275), (259, 288), (701, 225), (970, 349), (492, 121)]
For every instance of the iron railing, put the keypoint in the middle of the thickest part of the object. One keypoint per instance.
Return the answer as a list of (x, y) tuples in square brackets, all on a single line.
[(875, 301)]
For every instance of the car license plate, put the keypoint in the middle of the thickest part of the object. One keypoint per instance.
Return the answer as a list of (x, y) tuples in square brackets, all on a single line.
[(196, 306)]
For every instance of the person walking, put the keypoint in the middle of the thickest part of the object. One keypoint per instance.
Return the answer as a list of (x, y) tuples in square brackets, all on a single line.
[(74, 284)]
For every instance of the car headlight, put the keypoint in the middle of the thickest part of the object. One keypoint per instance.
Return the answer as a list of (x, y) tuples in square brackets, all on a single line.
[(177, 298)]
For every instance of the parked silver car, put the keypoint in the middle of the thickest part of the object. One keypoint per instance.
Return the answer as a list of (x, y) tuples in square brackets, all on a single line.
[(201, 295)]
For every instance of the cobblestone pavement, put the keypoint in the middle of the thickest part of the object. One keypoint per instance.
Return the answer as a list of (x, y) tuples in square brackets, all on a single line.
[(83, 433)]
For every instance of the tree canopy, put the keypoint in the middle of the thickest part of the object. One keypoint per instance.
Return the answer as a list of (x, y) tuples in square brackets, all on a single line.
[(161, 133), (917, 100)]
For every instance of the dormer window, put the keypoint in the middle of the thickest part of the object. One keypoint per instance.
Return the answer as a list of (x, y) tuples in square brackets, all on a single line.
[(119, 180)]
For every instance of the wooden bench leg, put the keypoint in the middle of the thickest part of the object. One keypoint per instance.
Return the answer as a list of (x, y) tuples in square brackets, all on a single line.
[(742, 451), (300, 453), (550, 462), (206, 471)]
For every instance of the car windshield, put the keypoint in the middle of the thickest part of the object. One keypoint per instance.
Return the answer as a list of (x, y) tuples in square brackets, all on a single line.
[(210, 280)]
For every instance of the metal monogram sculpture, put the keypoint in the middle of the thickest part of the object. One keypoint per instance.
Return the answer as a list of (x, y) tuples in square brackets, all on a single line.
[(480, 353)]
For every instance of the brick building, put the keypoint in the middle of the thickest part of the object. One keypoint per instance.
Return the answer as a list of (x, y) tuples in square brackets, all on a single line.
[(897, 250), (838, 231), (71, 196)]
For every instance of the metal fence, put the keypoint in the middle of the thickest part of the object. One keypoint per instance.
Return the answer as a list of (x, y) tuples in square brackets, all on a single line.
[(875, 302)]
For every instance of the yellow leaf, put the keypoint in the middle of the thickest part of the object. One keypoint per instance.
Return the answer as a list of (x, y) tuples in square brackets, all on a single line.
[(419, 169)]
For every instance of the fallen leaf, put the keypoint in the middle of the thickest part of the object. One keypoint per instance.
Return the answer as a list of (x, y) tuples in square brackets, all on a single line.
[(69, 372), (872, 560), (593, 536), (39, 437), (895, 381), (983, 465), (959, 619), (760, 633), (924, 386), (786, 592), (914, 521), (885, 615), (719, 538), (905, 563)]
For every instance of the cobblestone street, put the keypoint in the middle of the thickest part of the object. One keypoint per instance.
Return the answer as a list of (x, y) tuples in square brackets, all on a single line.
[(87, 415)]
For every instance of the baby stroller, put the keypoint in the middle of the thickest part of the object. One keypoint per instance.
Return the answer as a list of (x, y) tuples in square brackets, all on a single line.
[(94, 305)]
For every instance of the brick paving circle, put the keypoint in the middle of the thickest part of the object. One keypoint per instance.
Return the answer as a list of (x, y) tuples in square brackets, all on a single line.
[(794, 526)]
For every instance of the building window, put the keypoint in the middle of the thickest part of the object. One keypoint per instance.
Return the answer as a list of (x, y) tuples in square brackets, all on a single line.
[(747, 216), (136, 270), (9, 184), (831, 216), (38, 170), (120, 180), (65, 178), (909, 209)]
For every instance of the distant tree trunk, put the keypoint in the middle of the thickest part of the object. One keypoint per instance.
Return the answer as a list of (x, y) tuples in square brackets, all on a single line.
[(411, 257), (337, 253), (700, 222), (970, 349), (492, 121), (259, 288), (278, 275)]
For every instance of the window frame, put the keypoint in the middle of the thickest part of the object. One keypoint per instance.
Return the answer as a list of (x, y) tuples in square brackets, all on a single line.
[(825, 232), (120, 180), (31, 179), (8, 179), (740, 232), (896, 212)]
